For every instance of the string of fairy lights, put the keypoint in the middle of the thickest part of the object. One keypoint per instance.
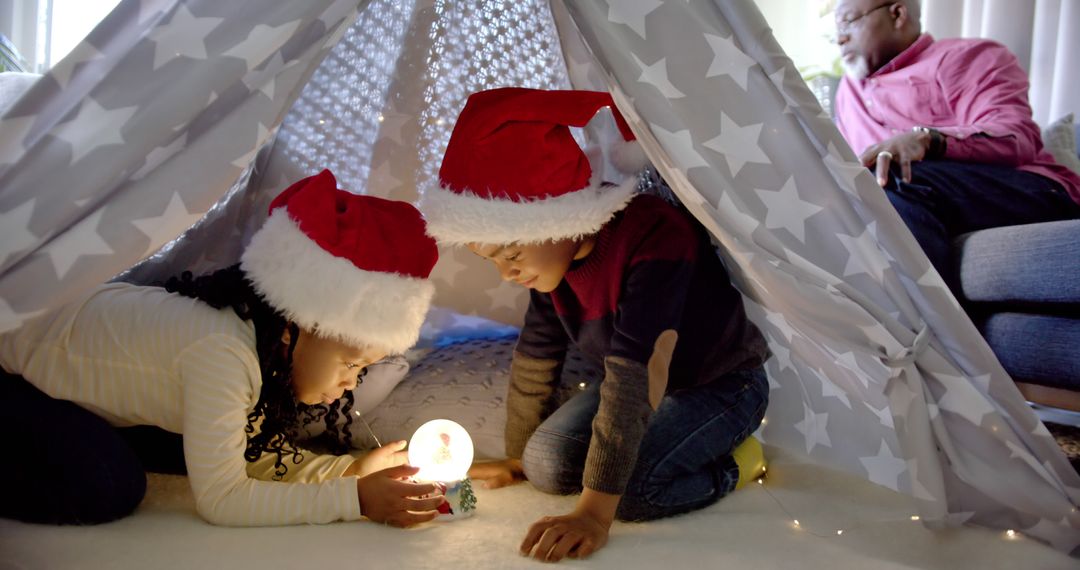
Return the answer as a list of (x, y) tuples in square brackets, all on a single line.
[(799, 526), (1009, 534)]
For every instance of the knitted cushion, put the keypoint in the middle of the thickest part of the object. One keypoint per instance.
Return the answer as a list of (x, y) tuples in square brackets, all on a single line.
[(467, 383), (441, 327)]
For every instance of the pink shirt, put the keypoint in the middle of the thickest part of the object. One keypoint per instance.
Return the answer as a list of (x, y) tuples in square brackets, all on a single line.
[(961, 87)]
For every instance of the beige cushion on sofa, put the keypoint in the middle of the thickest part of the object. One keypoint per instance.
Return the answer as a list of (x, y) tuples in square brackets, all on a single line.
[(12, 85), (1060, 139)]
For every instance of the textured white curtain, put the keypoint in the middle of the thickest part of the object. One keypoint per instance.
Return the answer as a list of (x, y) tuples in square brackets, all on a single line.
[(1044, 35), (378, 113)]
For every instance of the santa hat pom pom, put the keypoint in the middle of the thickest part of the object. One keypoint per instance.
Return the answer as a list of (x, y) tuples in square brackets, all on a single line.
[(628, 156)]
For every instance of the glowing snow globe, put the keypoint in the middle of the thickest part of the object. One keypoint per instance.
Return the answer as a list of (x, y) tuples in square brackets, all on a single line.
[(443, 451)]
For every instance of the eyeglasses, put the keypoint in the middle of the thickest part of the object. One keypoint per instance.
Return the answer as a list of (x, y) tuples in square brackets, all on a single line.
[(844, 26)]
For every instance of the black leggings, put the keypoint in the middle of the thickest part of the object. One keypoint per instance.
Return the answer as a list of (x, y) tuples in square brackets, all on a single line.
[(69, 466)]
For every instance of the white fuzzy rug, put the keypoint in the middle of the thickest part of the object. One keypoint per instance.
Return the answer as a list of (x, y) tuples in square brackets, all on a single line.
[(747, 530)]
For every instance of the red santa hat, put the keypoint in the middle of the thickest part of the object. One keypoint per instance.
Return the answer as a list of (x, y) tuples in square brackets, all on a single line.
[(348, 267), (513, 172)]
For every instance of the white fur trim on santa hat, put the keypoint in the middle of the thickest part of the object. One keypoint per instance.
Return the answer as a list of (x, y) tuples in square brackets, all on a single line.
[(459, 218), (329, 295)]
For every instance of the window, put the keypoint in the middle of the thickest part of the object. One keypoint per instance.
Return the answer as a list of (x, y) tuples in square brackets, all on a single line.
[(44, 31), (806, 30), (70, 21)]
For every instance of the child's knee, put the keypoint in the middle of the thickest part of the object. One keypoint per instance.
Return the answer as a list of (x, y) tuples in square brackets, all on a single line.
[(640, 508), (636, 509), (114, 493), (106, 480), (553, 463), (88, 476)]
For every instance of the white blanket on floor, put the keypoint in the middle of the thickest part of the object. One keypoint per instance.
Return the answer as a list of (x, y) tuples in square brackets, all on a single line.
[(746, 530)]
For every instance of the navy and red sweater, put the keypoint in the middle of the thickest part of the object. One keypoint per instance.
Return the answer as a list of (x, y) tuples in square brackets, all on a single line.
[(652, 268)]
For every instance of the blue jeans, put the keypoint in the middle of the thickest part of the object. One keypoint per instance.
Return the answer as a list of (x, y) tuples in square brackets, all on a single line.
[(684, 462), (945, 199)]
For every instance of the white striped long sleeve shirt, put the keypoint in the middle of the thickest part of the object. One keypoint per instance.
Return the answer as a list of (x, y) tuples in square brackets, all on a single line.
[(144, 356)]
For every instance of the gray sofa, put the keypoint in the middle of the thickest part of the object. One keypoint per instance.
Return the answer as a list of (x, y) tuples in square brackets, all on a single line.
[(1021, 285)]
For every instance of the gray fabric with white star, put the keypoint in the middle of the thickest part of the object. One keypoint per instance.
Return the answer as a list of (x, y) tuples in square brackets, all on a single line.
[(875, 368)]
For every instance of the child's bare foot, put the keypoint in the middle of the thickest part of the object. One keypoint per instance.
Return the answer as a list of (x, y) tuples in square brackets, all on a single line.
[(659, 363)]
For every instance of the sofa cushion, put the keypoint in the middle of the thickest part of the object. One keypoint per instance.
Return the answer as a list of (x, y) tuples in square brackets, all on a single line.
[(1039, 349), (1059, 138), (12, 85), (1033, 263)]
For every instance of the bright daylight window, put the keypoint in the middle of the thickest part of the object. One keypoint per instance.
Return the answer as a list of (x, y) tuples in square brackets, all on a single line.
[(37, 34), (71, 21)]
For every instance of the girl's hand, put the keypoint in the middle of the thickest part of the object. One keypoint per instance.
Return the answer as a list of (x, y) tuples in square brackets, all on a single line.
[(385, 457), (387, 497), (497, 474)]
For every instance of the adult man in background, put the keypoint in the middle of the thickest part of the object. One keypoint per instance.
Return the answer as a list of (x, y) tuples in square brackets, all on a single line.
[(947, 127)]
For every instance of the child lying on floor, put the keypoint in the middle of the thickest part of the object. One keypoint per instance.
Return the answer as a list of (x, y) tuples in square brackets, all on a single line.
[(331, 283)]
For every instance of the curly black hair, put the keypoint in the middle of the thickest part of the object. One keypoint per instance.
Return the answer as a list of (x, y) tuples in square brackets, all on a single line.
[(282, 415)]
